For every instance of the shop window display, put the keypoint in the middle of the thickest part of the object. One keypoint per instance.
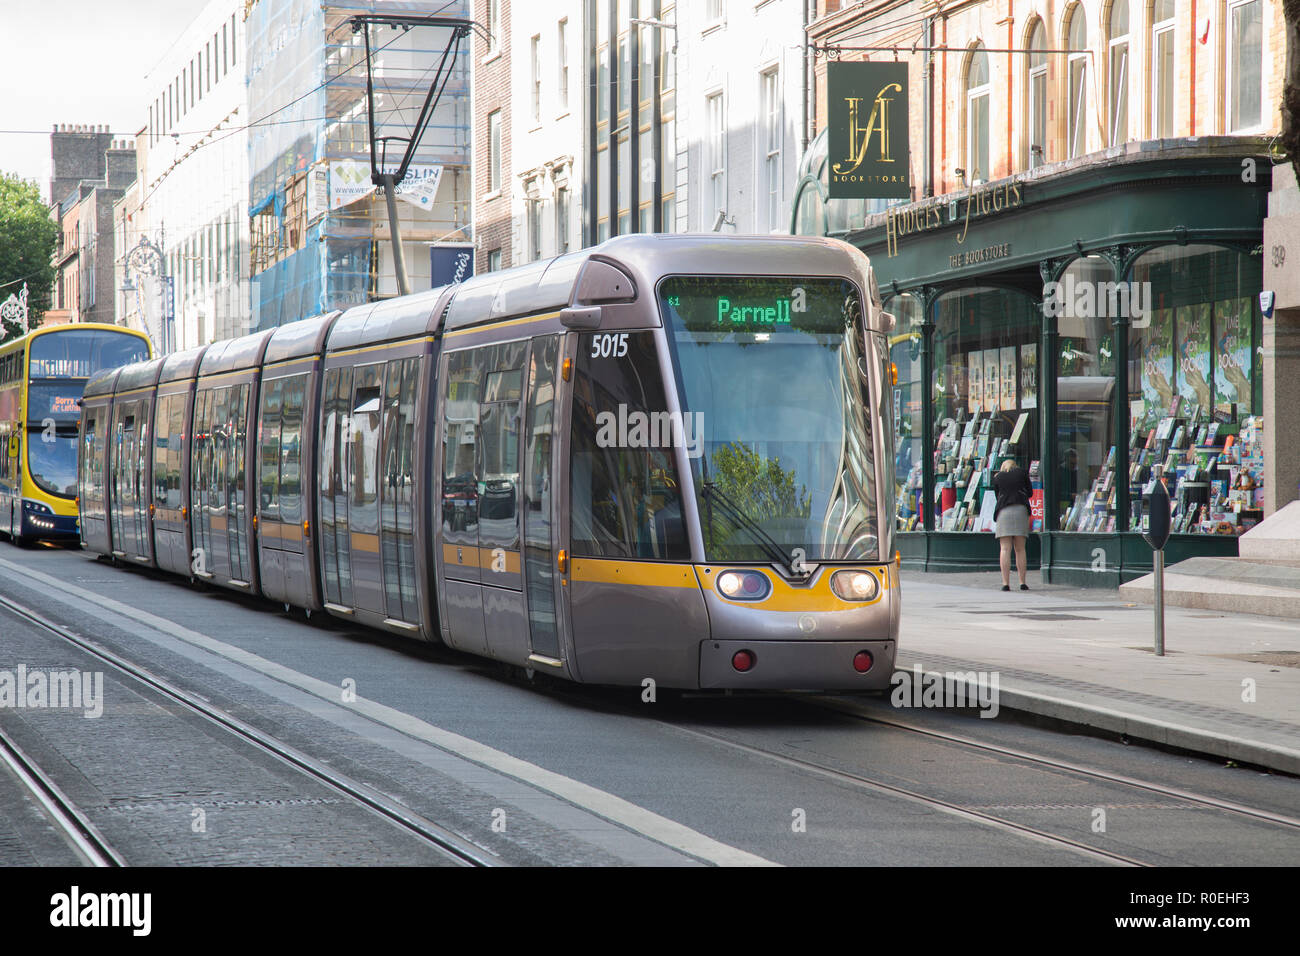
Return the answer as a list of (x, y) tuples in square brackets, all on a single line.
[(1086, 490), (1194, 371), (905, 353), (985, 391)]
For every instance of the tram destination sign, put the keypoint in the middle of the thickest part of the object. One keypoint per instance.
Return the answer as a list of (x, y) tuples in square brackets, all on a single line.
[(868, 148), (757, 305)]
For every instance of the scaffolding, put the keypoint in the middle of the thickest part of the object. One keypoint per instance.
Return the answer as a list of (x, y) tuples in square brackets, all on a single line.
[(311, 131)]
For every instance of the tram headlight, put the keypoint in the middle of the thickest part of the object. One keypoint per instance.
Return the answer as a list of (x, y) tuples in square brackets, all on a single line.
[(744, 585), (855, 585)]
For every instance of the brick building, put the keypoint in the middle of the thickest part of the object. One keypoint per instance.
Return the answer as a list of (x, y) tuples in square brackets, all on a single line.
[(90, 172), (495, 224), (1089, 145)]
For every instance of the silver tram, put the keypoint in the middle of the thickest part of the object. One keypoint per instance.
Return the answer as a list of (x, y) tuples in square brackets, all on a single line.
[(663, 457)]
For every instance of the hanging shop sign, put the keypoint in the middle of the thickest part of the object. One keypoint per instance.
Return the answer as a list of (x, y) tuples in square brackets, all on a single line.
[(868, 131), (450, 262)]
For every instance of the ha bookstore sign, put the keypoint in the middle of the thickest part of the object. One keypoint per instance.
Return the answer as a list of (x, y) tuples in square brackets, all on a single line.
[(868, 149)]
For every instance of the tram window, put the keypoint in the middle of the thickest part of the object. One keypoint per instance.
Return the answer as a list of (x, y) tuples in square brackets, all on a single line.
[(175, 445), (328, 470), (87, 457), (269, 494), (460, 441), (291, 449), (235, 501), (624, 490), (364, 512), (161, 437)]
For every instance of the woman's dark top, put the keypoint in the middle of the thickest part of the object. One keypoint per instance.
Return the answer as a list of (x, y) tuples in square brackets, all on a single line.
[(1012, 488)]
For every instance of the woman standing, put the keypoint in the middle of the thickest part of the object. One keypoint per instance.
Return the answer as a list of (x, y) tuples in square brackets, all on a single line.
[(1011, 484)]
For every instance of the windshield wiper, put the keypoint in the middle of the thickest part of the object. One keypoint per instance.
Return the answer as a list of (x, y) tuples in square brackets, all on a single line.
[(712, 493)]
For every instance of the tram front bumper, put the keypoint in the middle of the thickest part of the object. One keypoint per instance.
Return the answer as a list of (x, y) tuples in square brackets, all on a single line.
[(796, 665)]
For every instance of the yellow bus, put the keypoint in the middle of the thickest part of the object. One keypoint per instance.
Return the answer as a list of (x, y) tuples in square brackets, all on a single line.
[(42, 375)]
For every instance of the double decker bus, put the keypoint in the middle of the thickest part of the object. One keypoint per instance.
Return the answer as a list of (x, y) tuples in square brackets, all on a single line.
[(42, 375)]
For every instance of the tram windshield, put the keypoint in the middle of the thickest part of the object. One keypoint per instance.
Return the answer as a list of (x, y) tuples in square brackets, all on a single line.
[(768, 374)]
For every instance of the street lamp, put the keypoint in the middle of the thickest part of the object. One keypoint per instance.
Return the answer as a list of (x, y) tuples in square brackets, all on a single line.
[(656, 123), (146, 259), (657, 24)]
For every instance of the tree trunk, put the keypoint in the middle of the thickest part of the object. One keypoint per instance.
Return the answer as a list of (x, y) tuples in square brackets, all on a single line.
[(1290, 137)]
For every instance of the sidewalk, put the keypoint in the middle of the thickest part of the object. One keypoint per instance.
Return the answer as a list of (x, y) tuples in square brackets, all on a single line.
[(1085, 656)]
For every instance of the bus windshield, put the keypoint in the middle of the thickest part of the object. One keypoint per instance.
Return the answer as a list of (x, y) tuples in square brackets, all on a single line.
[(52, 459), (80, 353), (768, 374)]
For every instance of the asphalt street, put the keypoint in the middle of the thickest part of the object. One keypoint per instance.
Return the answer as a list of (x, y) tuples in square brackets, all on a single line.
[(547, 773)]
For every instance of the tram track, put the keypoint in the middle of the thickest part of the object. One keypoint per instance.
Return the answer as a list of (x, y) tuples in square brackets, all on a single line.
[(981, 815), (863, 782), (1065, 766), (72, 821), (83, 836)]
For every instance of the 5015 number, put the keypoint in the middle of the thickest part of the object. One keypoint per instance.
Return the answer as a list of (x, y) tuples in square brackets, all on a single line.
[(609, 344)]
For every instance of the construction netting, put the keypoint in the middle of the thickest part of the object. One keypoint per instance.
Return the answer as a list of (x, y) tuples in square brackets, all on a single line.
[(319, 229)]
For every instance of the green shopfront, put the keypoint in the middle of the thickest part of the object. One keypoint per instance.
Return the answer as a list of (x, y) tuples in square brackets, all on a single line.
[(1098, 322)]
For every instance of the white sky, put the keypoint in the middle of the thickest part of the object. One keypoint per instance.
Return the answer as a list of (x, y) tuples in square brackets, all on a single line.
[(78, 61)]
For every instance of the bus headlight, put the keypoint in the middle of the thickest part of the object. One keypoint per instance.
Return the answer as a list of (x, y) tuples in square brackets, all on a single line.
[(855, 585), (35, 507), (744, 585)]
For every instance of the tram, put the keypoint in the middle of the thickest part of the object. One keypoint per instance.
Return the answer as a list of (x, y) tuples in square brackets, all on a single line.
[(42, 375), (663, 458)]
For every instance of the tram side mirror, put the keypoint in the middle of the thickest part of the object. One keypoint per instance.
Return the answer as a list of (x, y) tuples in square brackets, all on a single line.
[(889, 320), (581, 317), (1158, 516)]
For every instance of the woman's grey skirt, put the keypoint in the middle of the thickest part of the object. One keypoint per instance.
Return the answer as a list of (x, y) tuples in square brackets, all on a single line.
[(1013, 521)]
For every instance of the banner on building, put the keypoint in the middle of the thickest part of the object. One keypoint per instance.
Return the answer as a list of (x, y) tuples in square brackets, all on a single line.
[(450, 262), (867, 121), (420, 187), (318, 192), (349, 181)]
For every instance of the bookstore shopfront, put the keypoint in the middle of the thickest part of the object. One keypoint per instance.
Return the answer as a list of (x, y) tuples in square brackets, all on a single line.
[(1098, 322)]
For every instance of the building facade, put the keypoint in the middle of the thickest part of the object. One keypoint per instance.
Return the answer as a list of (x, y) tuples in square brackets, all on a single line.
[(741, 113), (1076, 273), (90, 171), (545, 113), (183, 255), (493, 111), (319, 234)]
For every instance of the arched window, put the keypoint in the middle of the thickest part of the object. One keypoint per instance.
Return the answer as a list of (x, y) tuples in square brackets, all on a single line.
[(1162, 69), (1076, 132), (1117, 56), (1036, 96), (1245, 64), (977, 116)]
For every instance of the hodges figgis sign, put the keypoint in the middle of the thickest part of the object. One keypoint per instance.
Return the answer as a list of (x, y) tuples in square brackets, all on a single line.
[(868, 156)]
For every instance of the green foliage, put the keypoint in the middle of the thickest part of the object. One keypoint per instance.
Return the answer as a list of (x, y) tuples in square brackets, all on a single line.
[(758, 486), (27, 239)]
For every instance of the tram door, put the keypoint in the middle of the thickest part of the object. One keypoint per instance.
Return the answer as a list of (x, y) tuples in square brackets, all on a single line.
[(541, 517), (361, 481)]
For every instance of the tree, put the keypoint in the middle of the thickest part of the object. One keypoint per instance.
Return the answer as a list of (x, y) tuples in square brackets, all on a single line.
[(762, 490), (1290, 137), (27, 239)]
